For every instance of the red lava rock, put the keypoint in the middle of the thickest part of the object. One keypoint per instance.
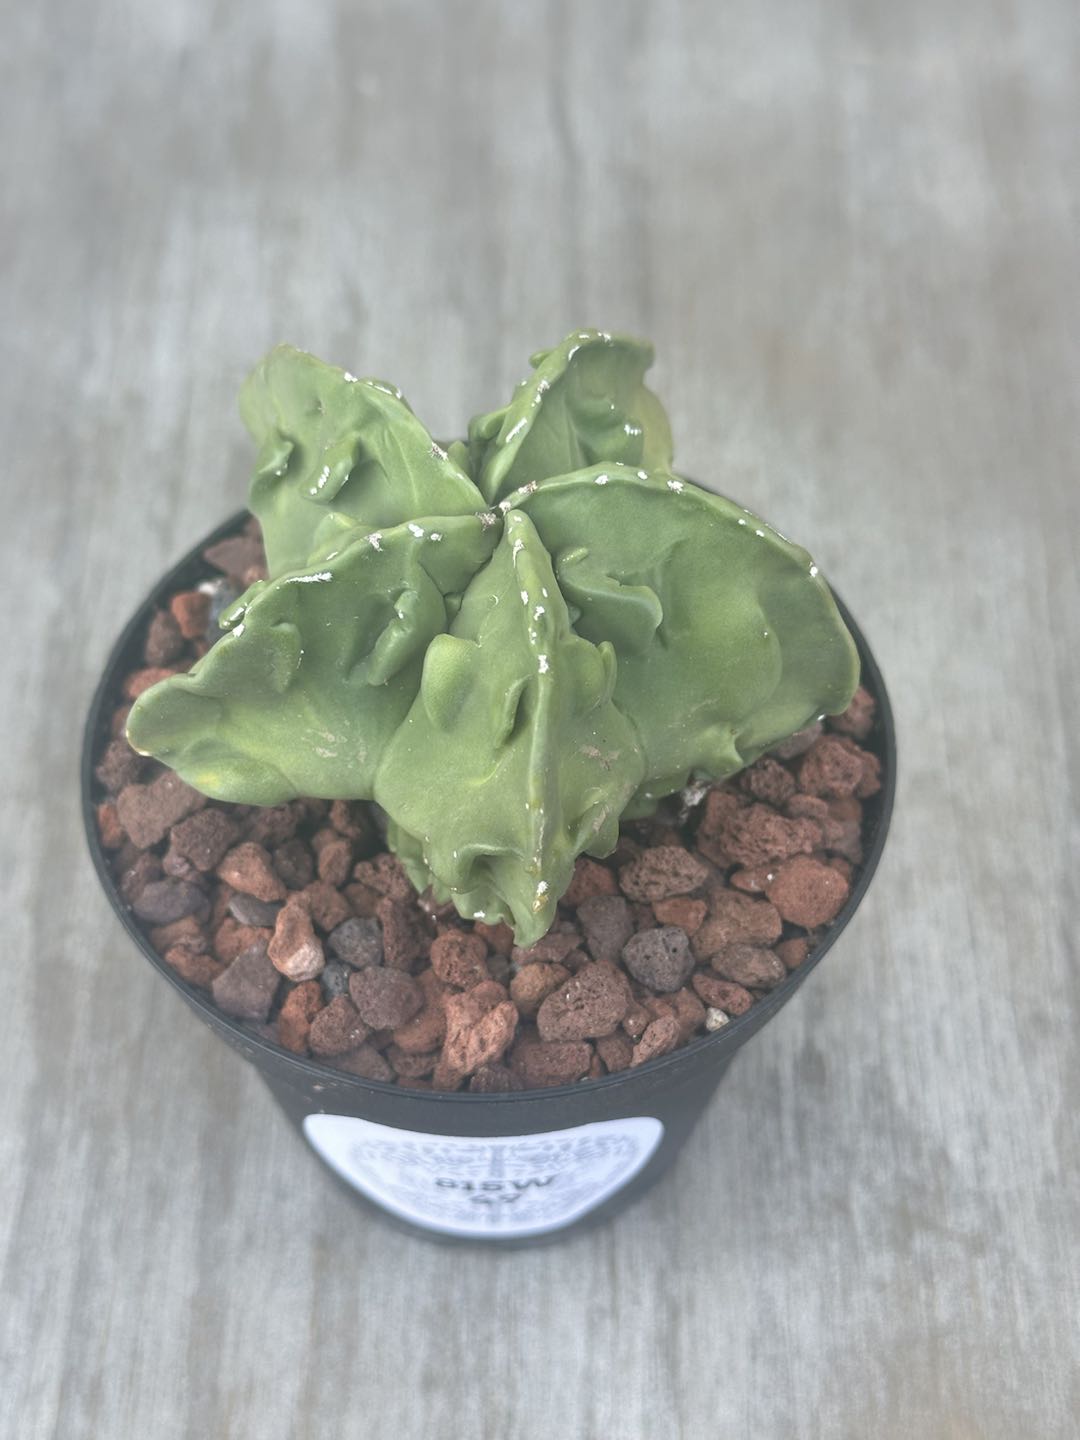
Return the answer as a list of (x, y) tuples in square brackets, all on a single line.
[(500, 937), (385, 999), (231, 938), (248, 867), (405, 940), (687, 914), (427, 1029), (540, 1064), (162, 901), (334, 857), (660, 872), (533, 983), (593, 1002), (750, 965), (366, 1062), (385, 874), (769, 781), (140, 680), (246, 989), (831, 767), (298, 1010), (660, 1037), (295, 949), (736, 918), (660, 958), (164, 642), (807, 892), (607, 923), (459, 959), (119, 766), (723, 995), (194, 966), (337, 1028), (589, 880), (757, 835), (858, 719), (792, 952), (329, 908), (109, 827), (147, 811), (205, 837), (720, 804), (616, 1051), (191, 611), (480, 1025)]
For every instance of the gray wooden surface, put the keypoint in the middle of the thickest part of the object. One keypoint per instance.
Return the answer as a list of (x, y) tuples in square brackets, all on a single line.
[(850, 229)]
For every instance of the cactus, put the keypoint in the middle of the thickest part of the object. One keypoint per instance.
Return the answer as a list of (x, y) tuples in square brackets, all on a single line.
[(510, 645)]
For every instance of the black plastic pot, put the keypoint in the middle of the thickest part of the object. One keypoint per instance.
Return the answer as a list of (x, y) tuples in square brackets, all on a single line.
[(505, 1169)]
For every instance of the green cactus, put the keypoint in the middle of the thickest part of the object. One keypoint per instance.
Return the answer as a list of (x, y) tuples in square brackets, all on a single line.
[(510, 645)]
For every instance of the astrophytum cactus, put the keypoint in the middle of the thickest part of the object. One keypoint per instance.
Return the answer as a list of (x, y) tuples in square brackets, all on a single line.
[(510, 645)]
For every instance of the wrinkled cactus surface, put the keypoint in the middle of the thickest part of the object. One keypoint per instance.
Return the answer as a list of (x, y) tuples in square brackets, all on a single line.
[(510, 645)]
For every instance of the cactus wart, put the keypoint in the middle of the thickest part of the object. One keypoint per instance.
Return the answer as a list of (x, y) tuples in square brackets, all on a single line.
[(511, 645)]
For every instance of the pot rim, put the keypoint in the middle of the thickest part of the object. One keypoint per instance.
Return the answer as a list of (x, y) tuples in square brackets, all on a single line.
[(726, 1039)]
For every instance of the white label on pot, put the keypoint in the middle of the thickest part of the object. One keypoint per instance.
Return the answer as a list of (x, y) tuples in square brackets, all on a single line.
[(494, 1186)]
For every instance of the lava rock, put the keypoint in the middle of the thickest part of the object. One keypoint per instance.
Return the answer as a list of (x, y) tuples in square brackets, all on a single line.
[(246, 910), (337, 1029), (204, 838), (246, 989), (248, 867), (607, 923), (807, 892), (161, 901), (459, 959), (591, 1003), (147, 811), (749, 965), (295, 949), (385, 999), (662, 871), (358, 942), (660, 958)]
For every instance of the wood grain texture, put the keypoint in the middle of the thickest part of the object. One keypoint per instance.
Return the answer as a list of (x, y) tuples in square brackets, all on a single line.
[(850, 230)]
